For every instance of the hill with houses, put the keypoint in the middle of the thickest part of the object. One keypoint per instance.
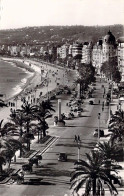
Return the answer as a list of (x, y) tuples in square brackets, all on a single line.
[(57, 34)]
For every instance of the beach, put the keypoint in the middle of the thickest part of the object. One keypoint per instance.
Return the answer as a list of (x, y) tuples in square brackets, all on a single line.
[(17, 77), (38, 86)]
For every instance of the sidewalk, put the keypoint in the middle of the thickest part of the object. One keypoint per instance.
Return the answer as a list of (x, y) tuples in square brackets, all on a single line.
[(38, 149)]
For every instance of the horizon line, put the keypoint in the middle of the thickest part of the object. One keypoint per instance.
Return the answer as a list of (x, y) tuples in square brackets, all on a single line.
[(97, 25)]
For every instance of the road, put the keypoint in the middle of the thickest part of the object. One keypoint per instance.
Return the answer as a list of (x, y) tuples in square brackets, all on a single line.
[(55, 174)]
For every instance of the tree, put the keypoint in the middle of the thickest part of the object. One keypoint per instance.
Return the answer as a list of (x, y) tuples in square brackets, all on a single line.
[(42, 113), (19, 119), (108, 150), (110, 69), (6, 128), (27, 110), (8, 148), (92, 173)]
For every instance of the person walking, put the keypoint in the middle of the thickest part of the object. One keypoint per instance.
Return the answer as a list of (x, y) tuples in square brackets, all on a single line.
[(79, 138), (75, 139)]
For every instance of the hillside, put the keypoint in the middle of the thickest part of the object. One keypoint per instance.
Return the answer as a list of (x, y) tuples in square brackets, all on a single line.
[(58, 34)]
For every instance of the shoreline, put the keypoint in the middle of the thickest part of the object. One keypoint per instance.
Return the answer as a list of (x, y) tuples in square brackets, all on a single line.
[(22, 65)]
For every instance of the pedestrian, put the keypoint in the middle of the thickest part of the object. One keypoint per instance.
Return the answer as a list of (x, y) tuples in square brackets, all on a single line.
[(102, 108), (79, 138), (99, 101), (75, 139), (103, 95), (103, 103)]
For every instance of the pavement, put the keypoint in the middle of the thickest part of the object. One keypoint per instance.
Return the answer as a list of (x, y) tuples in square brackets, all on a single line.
[(52, 74), (38, 148), (64, 138)]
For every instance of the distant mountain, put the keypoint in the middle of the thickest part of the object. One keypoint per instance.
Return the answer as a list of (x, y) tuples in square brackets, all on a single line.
[(58, 34)]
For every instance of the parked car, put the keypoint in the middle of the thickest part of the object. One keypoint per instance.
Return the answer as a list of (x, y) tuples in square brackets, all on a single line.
[(91, 102), (101, 133), (78, 113), (62, 157)]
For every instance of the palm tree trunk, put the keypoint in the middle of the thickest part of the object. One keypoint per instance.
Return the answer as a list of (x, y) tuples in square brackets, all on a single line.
[(1, 169), (44, 132), (27, 126), (28, 144), (38, 136), (9, 163), (21, 132), (94, 187), (20, 152)]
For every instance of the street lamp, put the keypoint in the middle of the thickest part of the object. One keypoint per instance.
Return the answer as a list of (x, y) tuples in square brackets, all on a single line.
[(99, 114), (77, 138), (120, 106)]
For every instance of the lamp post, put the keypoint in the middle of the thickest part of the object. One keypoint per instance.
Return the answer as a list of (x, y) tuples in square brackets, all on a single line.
[(78, 145), (120, 105), (35, 95), (99, 114), (47, 84)]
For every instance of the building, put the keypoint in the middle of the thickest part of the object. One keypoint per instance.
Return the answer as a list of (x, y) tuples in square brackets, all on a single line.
[(87, 53), (104, 50), (62, 51), (120, 55), (77, 50), (97, 55)]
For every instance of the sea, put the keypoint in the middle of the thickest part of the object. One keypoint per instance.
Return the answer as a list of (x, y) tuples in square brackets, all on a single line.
[(12, 79)]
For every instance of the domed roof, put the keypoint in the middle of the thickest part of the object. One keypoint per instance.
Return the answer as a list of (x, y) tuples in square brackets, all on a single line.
[(109, 38)]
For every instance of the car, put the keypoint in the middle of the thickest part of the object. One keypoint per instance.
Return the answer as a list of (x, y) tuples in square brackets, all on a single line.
[(62, 157), (80, 109), (95, 133), (91, 102), (78, 113), (116, 167)]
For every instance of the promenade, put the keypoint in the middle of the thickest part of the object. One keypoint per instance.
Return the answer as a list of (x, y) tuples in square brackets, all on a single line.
[(56, 175)]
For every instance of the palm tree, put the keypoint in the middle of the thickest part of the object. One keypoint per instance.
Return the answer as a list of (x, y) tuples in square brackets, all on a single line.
[(42, 114), (8, 148), (47, 105), (27, 110), (6, 128), (108, 150), (19, 119), (92, 173), (41, 117)]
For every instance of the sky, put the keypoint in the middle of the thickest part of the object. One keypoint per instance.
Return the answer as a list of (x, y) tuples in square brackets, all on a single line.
[(22, 13)]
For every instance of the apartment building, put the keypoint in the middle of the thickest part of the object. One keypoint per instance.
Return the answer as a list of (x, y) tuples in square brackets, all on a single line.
[(87, 53), (62, 51), (104, 50), (77, 50), (120, 55)]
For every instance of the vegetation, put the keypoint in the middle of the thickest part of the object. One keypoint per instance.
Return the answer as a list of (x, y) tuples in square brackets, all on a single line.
[(110, 69), (57, 34), (8, 148), (92, 174), (86, 72)]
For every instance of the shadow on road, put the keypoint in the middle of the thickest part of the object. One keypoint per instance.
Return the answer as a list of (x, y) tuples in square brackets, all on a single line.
[(53, 172), (38, 183)]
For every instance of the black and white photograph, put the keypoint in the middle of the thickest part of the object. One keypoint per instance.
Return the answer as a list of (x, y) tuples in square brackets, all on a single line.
[(61, 97)]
